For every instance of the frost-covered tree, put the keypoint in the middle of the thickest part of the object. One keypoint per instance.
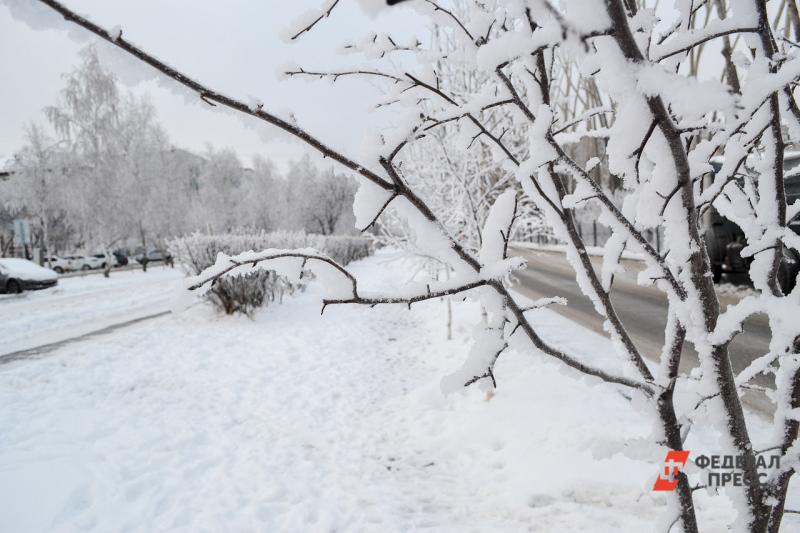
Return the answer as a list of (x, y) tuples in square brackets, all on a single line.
[(140, 173), (117, 160), (293, 193), (664, 123), (450, 166), (6, 231), (38, 183), (313, 199), (220, 179), (331, 197), (88, 121), (109, 171), (261, 196)]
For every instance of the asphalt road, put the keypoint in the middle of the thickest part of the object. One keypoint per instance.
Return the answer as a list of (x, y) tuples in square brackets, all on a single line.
[(643, 310), (32, 353)]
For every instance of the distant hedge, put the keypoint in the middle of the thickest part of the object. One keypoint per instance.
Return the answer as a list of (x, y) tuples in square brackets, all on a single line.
[(244, 294)]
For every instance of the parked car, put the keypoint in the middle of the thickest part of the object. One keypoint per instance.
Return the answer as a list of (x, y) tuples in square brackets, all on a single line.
[(103, 260), (17, 275), (154, 255), (59, 264), (86, 262), (725, 240), (120, 257)]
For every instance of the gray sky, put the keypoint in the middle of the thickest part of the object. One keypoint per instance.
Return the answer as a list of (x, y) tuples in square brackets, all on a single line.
[(233, 46)]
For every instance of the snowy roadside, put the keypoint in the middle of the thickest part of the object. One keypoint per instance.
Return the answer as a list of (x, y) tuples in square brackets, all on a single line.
[(592, 250), (99, 272), (300, 422), (80, 305)]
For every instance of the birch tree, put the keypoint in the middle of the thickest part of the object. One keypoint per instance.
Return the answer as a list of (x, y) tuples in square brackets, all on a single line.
[(88, 120)]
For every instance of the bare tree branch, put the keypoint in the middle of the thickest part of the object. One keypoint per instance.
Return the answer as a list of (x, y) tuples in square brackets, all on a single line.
[(325, 14)]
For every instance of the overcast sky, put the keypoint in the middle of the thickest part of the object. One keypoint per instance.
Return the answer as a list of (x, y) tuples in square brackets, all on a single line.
[(233, 46)]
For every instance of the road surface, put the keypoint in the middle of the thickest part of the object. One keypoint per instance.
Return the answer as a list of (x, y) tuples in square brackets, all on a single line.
[(43, 349), (643, 310), (83, 305)]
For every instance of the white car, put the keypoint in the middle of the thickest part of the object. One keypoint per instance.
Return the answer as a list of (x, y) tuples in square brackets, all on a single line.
[(103, 260), (17, 275), (87, 262), (59, 264)]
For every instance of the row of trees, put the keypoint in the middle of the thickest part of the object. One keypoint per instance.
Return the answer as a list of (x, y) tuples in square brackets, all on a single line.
[(103, 174)]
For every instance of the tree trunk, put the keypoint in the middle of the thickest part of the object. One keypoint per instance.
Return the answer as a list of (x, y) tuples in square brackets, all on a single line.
[(144, 247), (671, 427), (45, 242), (699, 269), (449, 309), (109, 260)]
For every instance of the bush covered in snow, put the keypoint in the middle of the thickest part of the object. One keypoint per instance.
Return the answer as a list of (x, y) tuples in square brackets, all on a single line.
[(258, 288), (343, 248)]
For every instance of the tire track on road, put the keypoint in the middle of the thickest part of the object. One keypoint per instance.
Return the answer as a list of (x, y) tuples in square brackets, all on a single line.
[(31, 353)]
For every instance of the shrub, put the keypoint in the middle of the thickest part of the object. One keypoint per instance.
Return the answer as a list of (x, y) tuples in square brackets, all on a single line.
[(344, 249), (246, 293)]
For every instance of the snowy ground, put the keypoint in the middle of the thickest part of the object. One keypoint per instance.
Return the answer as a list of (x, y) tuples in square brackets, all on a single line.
[(300, 422), (79, 305)]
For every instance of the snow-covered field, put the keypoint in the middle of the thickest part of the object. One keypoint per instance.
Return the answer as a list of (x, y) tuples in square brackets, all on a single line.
[(79, 305), (299, 422)]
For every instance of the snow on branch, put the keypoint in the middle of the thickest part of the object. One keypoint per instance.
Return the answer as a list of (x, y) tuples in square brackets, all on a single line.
[(449, 289), (344, 290), (455, 19), (269, 260), (497, 231), (335, 75), (546, 302), (307, 21), (685, 41)]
